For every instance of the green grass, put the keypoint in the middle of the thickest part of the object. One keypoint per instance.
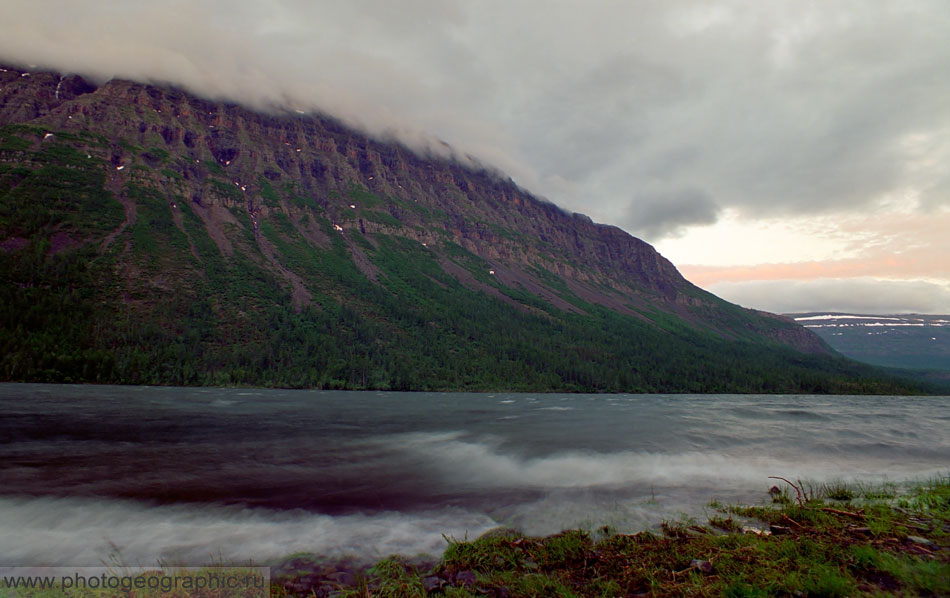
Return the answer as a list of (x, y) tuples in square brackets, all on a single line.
[(381, 217), (12, 143), (362, 197), (130, 147), (157, 153), (269, 195), (211, 165)]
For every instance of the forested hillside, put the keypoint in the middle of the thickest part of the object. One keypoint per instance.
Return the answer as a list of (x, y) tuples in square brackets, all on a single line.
[(151, 237)]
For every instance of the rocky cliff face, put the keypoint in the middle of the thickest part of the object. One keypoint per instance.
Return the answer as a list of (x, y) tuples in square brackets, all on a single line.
[(282, 192), (480, 210)]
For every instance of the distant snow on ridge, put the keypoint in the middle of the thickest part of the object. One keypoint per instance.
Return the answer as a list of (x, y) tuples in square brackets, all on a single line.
[(869, 324), (852, 320), (843, 317), (917, 341)]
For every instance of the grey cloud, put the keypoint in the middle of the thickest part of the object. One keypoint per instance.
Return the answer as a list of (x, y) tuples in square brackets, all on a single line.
[(779, 108), (862, 295), (666, 213)]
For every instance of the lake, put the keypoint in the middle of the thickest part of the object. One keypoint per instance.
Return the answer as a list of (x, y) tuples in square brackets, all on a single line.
[(93, 474)]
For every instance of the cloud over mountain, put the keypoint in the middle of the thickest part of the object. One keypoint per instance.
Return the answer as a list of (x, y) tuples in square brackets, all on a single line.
[(658, 117), (784, 108)]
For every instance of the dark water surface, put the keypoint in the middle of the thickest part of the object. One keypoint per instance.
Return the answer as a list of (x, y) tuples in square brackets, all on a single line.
[(89, 473)]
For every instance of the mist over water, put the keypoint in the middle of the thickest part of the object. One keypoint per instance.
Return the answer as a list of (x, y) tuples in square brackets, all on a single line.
[(91, 473)]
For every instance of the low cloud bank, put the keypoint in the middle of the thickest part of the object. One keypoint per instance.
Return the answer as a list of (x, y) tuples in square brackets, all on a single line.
[(860, 295)]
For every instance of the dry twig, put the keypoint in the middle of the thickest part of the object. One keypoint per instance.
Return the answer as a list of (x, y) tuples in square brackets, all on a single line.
[(799, 491), (845, 513)]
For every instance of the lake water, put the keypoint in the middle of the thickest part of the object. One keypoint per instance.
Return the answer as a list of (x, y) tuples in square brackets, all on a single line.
[(90, 474)]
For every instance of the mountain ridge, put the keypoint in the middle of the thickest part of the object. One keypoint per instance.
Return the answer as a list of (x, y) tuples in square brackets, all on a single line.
[(909, 340), (210, 191)]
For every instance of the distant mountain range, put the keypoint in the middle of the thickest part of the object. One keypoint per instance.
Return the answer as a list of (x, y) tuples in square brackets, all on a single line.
[(149, 236), (912, 341)]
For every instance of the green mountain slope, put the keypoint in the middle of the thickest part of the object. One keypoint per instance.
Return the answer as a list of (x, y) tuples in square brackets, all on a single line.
[(149, 236)]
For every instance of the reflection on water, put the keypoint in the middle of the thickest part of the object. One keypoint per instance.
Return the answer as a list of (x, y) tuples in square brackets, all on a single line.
[(256, 474)]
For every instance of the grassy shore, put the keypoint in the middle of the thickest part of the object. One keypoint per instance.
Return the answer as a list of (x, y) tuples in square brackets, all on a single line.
[(829, 540)]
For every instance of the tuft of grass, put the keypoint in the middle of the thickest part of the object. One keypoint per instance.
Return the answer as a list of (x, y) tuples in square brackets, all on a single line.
[(394, 579), (923, 576), (565, 549), (880, 491), (931, 497), (483, 554), (744, 590), (823, 581), (837, 491), (727, 524)]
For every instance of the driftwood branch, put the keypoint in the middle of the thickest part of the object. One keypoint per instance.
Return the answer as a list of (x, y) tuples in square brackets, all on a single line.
[(788, 519), (845, 513)]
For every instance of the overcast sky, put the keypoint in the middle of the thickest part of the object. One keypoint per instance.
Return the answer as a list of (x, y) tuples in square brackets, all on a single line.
[(787, 155)]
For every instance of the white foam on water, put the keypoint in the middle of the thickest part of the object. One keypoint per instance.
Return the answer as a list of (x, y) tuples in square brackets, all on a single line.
[(484, 464), (49, 531), (631, 466)]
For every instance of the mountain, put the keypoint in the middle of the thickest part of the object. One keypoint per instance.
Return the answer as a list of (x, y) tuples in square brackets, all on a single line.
[(151, 236), (914, 341)]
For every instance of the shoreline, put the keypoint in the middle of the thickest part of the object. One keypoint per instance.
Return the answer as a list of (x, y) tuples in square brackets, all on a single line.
[(812, 539), (830, 540)]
